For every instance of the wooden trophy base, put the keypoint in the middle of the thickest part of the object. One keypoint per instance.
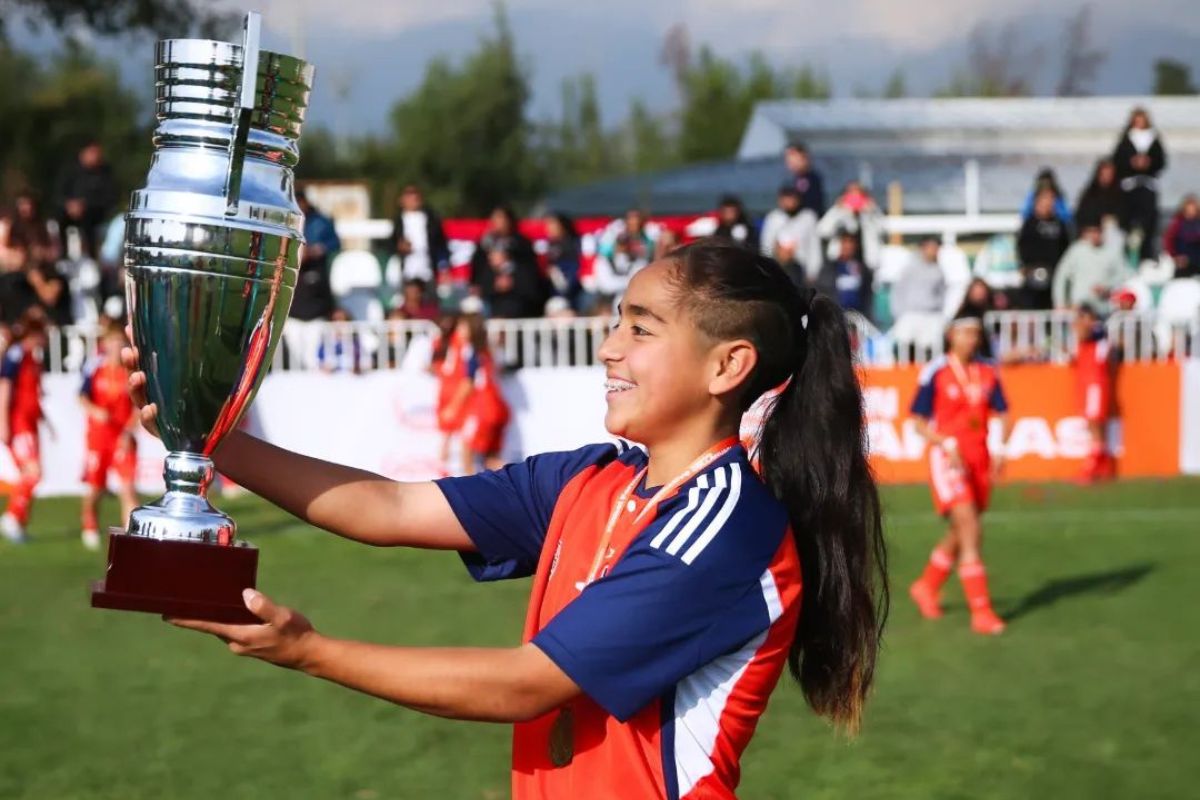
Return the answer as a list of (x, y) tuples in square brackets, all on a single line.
[(176, 578)]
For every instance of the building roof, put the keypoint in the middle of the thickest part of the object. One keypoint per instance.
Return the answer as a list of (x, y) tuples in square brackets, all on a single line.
[(924, 144)]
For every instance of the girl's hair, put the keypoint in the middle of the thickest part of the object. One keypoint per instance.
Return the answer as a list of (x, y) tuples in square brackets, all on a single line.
[(477, 328), (812, 453)]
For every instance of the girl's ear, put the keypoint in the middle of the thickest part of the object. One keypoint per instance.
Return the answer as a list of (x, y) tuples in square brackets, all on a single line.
[(734, 363)]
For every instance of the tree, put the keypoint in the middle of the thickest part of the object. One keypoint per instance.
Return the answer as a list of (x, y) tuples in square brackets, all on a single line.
[(996, 66), (896, 86), (1080, 59), (164, 17), (463, 134), (578, 149), (1173, 78), (50, 112), (651, 145)]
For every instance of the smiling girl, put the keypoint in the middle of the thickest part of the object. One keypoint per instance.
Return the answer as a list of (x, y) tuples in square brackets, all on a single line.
[(667, 582)]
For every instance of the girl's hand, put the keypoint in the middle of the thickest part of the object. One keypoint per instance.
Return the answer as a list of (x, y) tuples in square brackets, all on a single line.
[(147, 411), (285, 638)]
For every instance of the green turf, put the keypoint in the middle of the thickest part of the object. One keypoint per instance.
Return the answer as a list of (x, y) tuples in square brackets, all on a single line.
[(1093, 692)]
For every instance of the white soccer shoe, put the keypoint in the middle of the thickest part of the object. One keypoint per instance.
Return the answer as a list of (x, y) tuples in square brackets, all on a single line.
[(12, 530), (91, 539)]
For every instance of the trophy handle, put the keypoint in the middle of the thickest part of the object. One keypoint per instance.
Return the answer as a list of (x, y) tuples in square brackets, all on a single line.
[(251, 35)]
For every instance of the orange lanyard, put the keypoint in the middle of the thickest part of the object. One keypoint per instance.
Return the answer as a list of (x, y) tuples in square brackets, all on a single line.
[(971, 388), (707, 457)]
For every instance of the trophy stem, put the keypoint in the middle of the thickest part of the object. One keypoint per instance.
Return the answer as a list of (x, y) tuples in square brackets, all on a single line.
[(184, 511)]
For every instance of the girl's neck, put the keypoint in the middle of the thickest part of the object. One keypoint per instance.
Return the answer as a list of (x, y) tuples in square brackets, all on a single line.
[(960, 358), (671, 457)]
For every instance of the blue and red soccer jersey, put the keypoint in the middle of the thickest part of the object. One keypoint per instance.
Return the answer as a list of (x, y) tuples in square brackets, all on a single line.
[(23, 367), (105, 384), (958, 400), (678, 641), (485, 414), (1094, 377)]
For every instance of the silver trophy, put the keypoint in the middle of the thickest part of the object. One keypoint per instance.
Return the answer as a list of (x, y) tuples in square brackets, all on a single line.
[(211, 257)]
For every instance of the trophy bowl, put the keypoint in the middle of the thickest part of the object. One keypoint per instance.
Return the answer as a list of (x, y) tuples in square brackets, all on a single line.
[(211, 259)]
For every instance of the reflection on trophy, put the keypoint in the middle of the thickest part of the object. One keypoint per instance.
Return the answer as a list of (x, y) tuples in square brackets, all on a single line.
[(211, 257)]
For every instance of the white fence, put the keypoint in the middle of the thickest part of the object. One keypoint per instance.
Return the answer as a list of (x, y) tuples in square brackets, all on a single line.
[(560, 343)]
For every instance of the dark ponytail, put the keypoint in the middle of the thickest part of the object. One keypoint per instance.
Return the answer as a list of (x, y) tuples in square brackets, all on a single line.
[(812, 453)]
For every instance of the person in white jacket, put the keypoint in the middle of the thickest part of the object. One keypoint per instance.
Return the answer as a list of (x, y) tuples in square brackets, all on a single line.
[(789, 235), (855, 211), (1088, 272)]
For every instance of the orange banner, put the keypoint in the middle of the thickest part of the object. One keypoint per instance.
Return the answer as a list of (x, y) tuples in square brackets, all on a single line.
[(1049, 433)]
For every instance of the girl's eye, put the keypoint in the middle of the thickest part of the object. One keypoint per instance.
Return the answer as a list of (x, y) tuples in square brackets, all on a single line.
[(638, 330)]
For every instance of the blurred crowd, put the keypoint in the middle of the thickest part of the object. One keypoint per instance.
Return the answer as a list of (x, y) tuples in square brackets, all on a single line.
[(61, 253)]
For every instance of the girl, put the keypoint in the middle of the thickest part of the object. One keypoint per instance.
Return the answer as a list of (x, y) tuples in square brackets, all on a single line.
[(448, 367), (1139, 159), (478, 401), (110, 434), (666, 596), (21, 416), (956, 396), (1094, 371)]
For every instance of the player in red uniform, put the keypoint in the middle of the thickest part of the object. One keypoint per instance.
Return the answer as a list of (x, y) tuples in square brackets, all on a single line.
[(956, 397), (449, 367), (479, 401), (110, 433), (666, 600), (1094, 366), (21, 416)]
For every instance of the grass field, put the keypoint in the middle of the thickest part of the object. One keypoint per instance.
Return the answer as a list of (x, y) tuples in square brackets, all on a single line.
[(1093, 692)]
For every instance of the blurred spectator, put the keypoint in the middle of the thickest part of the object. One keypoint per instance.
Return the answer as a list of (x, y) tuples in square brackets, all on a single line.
[(314, 297), (1139, 159), (1046, 180), (855, 212), (625, 249), (1041, 245), (1104, 200), (666, 241), (28, 273), (415, 302), (734, 224), (86, 195), (806, 180), (418, 238), (339, 349), (1088, 272), (997, 262), (563, 259), (111, 258), (789, 236), (979, 301), (504, 270), (921, 287), (1182, 239), (847, 278)]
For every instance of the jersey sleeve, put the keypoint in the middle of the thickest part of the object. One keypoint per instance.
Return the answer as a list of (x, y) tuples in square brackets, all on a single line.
[(11, 363), (996, 400), (922, 404), (506, 512), (695, 585), (89, 373)]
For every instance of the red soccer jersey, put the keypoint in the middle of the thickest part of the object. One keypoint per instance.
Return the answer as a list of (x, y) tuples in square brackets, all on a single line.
[(23, 367), (1094, 378), (678, 641), (959, 399), (451, 373), (106, 384)]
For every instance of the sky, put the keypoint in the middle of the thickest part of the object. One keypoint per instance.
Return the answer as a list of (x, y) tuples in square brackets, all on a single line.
[(369, 53)]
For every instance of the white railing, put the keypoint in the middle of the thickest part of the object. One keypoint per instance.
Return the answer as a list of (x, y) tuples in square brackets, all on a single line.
[(1045, 336)]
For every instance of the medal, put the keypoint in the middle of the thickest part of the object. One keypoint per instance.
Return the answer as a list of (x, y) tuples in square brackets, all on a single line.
[(562, 737)]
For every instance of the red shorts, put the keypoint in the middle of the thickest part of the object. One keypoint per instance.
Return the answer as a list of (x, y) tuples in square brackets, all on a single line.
[(483, 435), (448, 423), (105, 455), (1096, 400), (952, 486)]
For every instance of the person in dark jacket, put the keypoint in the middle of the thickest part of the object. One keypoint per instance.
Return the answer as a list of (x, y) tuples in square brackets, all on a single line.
[(1102, 199), (1182, 239), (564, 258), (847, 279), (418, 238), (86, 196), (313, 298), (808, 181), (734, 224), (1043, 240), (1047, 180), (504, 270), (1140, 158)]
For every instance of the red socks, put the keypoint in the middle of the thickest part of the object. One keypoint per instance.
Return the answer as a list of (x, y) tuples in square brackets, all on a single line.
[(975, 587)]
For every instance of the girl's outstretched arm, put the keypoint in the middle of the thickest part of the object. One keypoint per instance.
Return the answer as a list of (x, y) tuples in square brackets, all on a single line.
[(485, 684), (350, 502)]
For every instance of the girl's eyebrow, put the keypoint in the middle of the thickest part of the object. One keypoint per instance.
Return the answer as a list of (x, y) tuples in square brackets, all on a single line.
[(642, 311)]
